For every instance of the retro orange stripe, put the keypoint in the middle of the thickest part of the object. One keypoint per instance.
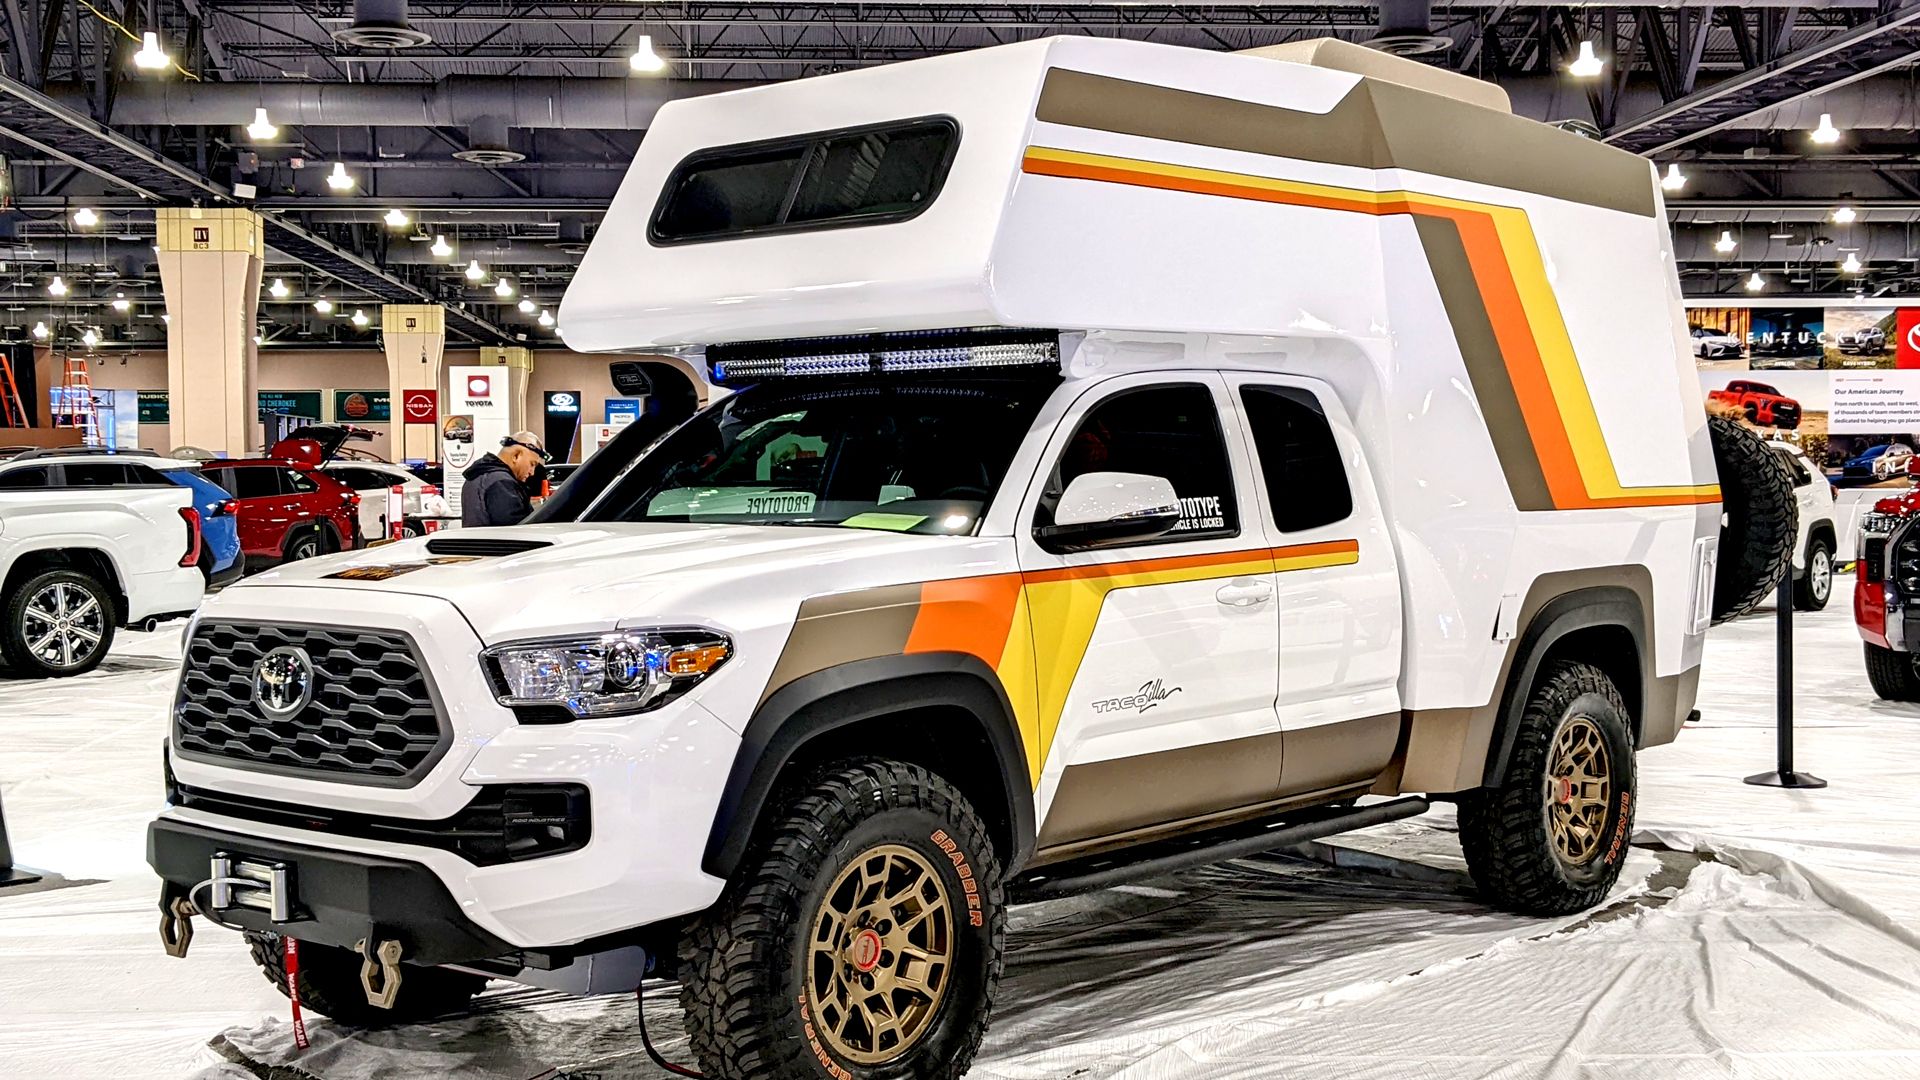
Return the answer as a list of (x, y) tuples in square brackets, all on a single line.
[(1569, 476)]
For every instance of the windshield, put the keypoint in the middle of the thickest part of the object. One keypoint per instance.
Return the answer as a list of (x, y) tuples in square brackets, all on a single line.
[(906, 454)]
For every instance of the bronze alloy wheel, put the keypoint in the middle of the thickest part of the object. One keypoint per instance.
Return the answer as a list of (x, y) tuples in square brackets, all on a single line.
[(880, 955), (1579, 788)]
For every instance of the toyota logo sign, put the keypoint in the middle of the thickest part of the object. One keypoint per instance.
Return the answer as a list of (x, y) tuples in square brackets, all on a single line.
[(283, 682), (479, 386)]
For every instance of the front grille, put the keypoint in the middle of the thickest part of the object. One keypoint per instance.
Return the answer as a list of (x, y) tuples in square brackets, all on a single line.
[(372, 718)]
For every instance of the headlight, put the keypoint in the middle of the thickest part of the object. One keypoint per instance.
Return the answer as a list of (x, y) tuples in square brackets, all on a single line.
[(627, 671)]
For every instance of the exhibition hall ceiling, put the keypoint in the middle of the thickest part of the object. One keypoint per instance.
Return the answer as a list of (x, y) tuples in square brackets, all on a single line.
[(462, 152)]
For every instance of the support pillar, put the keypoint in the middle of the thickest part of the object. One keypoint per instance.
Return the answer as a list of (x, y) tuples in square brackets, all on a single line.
[(415, 336), (210, 263), (518, 360)]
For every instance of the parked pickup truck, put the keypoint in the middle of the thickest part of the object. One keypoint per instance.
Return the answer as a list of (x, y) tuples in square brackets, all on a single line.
[(1759, 403), (991, 582), (88, 544)]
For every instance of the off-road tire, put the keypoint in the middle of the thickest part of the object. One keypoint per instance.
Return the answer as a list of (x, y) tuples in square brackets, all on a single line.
[(1504, 829), (742, 962), (1758, 519), (18, 659), (1892, 674), (330, 984), (1813, 589)]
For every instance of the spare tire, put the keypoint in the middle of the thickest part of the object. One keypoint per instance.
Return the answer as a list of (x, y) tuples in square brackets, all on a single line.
[(1758, 519)]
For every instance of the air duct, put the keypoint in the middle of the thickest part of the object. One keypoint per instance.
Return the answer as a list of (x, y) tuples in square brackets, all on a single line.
[(487, 143), (380, 24), (1872, 243), (458, 101), (1406, 29)]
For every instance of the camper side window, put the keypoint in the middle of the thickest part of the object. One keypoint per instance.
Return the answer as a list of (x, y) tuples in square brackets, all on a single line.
[(826, 179), (1171, 431)]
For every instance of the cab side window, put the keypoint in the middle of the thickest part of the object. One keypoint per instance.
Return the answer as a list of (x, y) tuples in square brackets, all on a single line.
[(1306, 480), (1171, 431), (37, 477)]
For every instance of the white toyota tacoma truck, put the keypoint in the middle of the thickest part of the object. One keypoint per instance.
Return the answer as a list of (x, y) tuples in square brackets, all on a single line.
[(88, 544), (1137, 457)]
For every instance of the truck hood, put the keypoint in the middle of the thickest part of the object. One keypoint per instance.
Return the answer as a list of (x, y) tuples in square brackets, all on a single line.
[(594, 576)]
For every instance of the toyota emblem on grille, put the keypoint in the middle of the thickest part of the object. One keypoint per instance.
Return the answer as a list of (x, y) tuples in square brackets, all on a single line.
[(283, 682)]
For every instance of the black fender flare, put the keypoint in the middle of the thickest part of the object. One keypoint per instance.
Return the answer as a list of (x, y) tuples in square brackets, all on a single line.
[(1570, 612), (836, 697)]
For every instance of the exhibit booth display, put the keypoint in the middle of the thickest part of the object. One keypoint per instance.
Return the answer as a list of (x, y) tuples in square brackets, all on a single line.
[(1839, 378)]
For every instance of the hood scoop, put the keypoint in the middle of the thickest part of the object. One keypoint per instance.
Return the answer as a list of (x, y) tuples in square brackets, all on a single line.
[(482, 545)]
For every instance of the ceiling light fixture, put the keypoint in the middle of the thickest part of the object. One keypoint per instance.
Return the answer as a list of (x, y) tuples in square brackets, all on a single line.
[(57, 287), (1843, 215), (360, 317), (323, 305), (1826, 134), (546, 317), (1726, 242), (644, 60), (338, 179), (441, 249), (1852, 265), (1755, 283), (85, 218), (151, 57), (474, 272), (40, 331), (1675, 179), (1586, 65), (278, 290), (262, 128), (258, 340), (89, 339), (120, 302), (398, 218), (503, 287), (527, 305)]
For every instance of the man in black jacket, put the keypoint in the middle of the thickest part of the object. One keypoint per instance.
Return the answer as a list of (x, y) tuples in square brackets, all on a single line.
[(495, 491)]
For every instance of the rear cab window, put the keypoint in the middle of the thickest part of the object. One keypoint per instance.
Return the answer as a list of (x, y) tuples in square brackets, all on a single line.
[(828, 179)]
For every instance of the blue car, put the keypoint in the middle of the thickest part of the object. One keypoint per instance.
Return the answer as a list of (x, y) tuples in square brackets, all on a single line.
[(221, 558)]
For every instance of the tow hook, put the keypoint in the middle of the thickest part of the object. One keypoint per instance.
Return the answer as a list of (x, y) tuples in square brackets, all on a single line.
[(380, 967), (176, 926)]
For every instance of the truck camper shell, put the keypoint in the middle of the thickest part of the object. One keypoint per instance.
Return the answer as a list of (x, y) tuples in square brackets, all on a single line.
[(1493, 299)]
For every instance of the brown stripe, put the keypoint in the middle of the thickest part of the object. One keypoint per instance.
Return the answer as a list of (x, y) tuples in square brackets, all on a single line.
[(1101, 798), (1331, 755), (1377, 126), (1486, 367), (844, 627)]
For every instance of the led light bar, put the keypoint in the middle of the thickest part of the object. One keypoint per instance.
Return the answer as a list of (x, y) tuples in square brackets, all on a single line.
[(989, 348)]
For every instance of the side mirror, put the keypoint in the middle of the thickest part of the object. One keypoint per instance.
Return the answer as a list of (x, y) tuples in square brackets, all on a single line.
[(1102, 509)]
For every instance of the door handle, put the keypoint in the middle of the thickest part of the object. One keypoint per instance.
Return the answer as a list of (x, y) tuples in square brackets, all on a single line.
[(1247, 595)]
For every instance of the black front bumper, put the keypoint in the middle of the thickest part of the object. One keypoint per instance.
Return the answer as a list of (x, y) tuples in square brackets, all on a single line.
[(339, 897)]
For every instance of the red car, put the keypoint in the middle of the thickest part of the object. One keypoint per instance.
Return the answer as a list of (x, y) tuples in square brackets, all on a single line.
[(1762, 404), (287, 508)]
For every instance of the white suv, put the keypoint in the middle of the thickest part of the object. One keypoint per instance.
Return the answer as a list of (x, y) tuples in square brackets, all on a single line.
[(1814, 543), (87, 544)]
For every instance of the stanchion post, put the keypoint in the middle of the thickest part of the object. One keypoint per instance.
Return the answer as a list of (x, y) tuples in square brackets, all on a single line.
[(1783, 774), (10, 874)]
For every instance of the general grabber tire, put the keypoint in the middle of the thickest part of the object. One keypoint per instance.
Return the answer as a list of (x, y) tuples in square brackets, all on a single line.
[(330, 984), (1551, 837), (1891, 674), (1758, 519), (1815, 587), (862, 938)]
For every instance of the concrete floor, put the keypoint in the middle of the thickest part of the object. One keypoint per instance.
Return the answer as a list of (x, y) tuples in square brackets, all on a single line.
[(1757, 933)]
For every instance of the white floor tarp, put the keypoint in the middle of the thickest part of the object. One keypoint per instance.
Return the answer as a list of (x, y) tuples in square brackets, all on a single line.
[(1757, 933)]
